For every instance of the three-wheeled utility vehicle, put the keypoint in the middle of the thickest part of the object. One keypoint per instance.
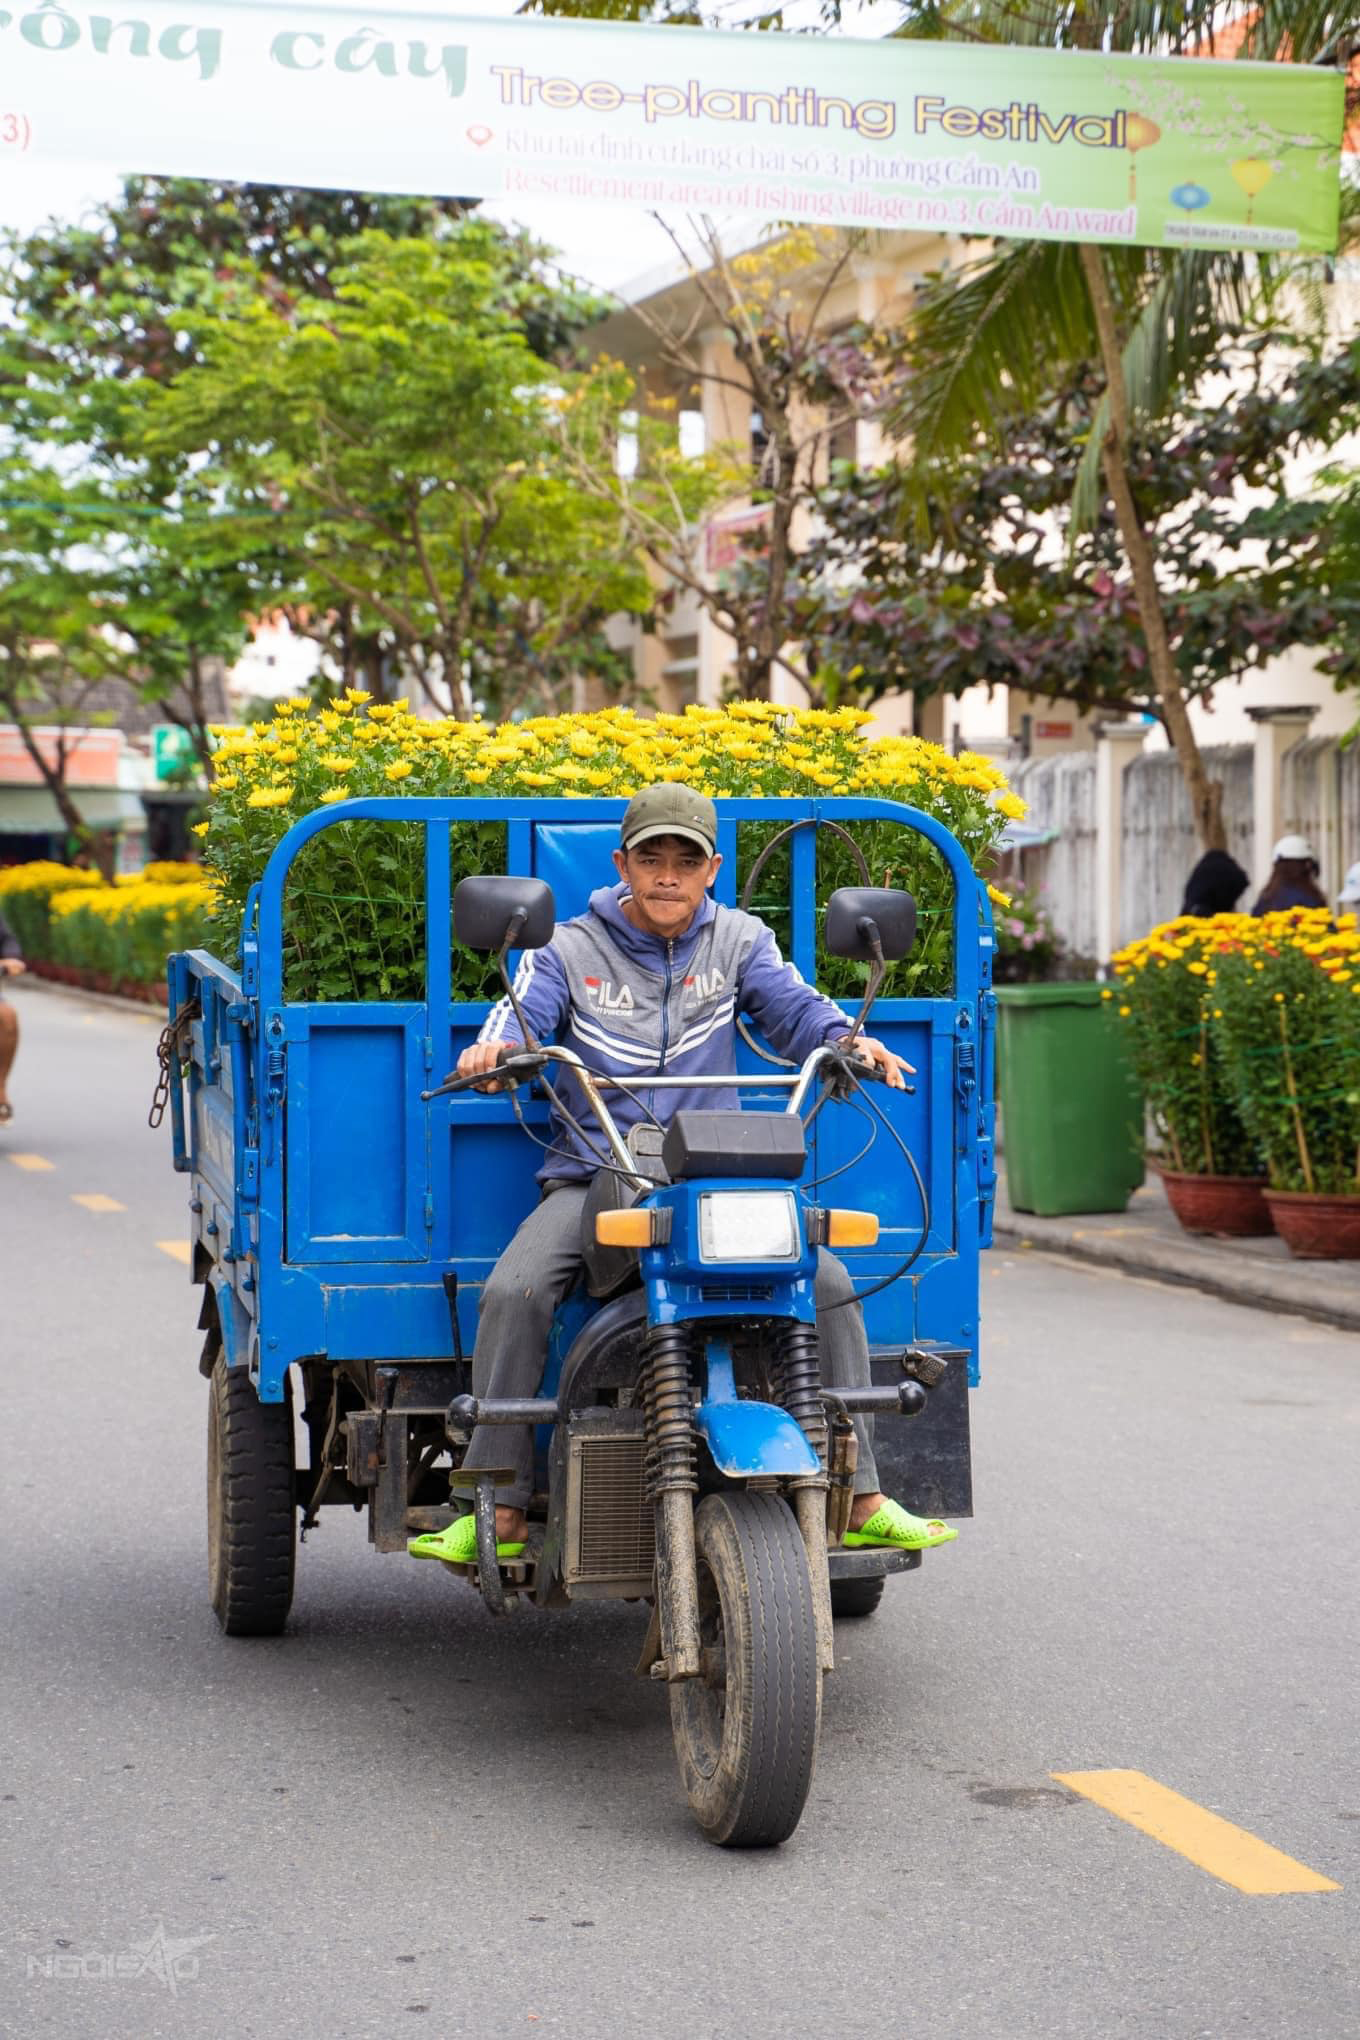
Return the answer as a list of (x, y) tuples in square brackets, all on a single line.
[(346, 1209)]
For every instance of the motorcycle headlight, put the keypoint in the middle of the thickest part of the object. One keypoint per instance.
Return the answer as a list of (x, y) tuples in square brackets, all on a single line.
[(748, 1225)]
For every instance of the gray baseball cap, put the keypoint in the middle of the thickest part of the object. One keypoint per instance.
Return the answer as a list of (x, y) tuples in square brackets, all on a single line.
[(670, 811)]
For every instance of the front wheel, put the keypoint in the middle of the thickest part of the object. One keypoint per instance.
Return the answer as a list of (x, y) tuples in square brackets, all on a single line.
[(746, 1729), (252, 1517)]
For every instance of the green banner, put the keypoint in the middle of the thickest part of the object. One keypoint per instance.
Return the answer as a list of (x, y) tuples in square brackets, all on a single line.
[(929, 137)]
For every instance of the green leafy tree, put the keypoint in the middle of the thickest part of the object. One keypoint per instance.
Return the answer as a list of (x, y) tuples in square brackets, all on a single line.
[(97, 299), (105, 311), (396, 444), (989, 338), (999, 584), (59, 642)]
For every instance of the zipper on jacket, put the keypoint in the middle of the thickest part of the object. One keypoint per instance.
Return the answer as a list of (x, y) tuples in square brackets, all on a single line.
[(666, 1009)]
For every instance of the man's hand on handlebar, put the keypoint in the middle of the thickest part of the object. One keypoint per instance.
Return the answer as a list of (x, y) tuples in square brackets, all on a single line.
[(481, 1058), (891, 1068), (478, 1066)]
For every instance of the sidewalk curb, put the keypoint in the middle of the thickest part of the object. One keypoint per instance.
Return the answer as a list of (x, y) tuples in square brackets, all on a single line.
[(1183, 1265), (32, 982)]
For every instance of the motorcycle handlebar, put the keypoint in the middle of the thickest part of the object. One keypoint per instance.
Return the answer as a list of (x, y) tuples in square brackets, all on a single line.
[(512, 1067)]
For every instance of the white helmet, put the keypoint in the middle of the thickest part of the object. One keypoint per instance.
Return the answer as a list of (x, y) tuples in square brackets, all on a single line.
[(1350, 891), (1294, 848)]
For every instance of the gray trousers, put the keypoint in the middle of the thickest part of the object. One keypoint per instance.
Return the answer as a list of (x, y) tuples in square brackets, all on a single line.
[(532, 1276)]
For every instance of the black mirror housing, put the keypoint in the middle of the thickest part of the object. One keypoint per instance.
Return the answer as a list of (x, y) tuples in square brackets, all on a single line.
[(893, 914), (487, 910)]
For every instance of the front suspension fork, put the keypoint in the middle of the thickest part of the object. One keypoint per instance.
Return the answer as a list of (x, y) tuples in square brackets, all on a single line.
[(800, 1381), (672, 1483)]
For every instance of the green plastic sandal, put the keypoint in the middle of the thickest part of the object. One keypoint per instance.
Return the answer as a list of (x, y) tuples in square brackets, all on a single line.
[(457, 1545), (896, 1528)]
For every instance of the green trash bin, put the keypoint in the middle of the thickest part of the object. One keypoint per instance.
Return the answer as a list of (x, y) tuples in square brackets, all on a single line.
[(1071, 1114)]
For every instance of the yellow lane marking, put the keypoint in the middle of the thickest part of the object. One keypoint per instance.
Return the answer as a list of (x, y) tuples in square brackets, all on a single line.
[(32, 1162), (178, 1250), (95, 1200), (1213, 1844)]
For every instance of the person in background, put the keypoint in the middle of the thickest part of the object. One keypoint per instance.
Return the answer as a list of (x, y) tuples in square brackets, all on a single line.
[(1214, 886), (11, 965), (1348, 899), (1293, 878)]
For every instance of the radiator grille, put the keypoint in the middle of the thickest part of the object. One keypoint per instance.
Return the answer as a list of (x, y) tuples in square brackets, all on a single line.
[(616, 1539), (739, 1292)]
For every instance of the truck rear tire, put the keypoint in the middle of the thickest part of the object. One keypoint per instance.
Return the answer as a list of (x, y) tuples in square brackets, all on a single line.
[(252, 1514), (856, 1597), (746, 1730)]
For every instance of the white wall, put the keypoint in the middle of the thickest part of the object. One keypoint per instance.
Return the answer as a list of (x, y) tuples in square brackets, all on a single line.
[(274, 665), (1319, 796)]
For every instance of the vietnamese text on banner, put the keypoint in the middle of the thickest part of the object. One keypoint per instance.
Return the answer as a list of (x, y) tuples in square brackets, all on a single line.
[(935, 137)]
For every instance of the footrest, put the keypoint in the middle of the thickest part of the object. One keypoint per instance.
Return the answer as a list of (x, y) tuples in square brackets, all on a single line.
[(516, 1572), (871, 1564)]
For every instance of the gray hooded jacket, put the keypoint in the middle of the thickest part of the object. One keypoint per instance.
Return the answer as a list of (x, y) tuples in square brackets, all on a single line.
[(632, 1005)]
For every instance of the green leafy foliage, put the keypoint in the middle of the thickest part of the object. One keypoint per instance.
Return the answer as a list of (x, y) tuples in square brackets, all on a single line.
[(981, 592), (374, 381), (1167, 994), (396, 443), (354, 912), (125, 933), (1290, 1036)]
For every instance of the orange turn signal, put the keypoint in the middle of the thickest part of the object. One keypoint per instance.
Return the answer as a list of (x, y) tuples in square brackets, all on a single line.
[(852, 1229), (623, 1228)]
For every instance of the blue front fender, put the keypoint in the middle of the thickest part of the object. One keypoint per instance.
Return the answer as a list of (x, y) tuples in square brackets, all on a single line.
[(748, 1437), (754, 1437)]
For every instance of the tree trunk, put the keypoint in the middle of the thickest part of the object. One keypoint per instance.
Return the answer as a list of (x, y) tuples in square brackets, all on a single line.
[(1206, 795), (196, 722), (98, 842)]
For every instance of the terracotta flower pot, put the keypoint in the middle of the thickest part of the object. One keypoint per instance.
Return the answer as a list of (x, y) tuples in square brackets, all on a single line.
[(1315, 1226), (1231, 1205)]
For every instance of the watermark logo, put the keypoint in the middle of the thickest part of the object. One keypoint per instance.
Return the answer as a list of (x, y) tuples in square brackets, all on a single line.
[(170, 1962)]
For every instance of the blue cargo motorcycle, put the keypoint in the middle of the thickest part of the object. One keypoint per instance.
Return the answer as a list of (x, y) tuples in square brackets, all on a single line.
[(690, 1457)]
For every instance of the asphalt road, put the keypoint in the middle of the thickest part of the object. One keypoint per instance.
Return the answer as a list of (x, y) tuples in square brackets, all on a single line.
[(402, 1817)]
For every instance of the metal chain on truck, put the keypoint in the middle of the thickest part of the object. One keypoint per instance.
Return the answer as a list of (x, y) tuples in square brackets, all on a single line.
[(171, 1051)]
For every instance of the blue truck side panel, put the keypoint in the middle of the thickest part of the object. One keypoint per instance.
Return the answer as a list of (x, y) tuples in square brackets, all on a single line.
[(328, 1200)]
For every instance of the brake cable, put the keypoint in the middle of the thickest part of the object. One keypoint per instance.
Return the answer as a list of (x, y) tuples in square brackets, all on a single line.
[(886, 1281)]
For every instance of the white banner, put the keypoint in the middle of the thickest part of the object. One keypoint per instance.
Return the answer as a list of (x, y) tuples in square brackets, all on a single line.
[(936, 137)]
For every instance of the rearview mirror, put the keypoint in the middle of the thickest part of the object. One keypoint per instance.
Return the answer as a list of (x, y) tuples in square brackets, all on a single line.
[(855, 913), (498, 913)]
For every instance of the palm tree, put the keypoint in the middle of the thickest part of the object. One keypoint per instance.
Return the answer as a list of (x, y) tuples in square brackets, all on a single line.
[(988, 340)]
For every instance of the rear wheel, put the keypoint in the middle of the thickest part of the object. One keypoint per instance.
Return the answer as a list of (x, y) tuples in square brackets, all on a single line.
[(252, 1518), (746, 1729), (856, 1597)]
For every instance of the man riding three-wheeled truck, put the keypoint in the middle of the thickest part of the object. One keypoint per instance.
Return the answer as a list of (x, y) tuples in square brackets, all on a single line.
[(679, 1394)]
